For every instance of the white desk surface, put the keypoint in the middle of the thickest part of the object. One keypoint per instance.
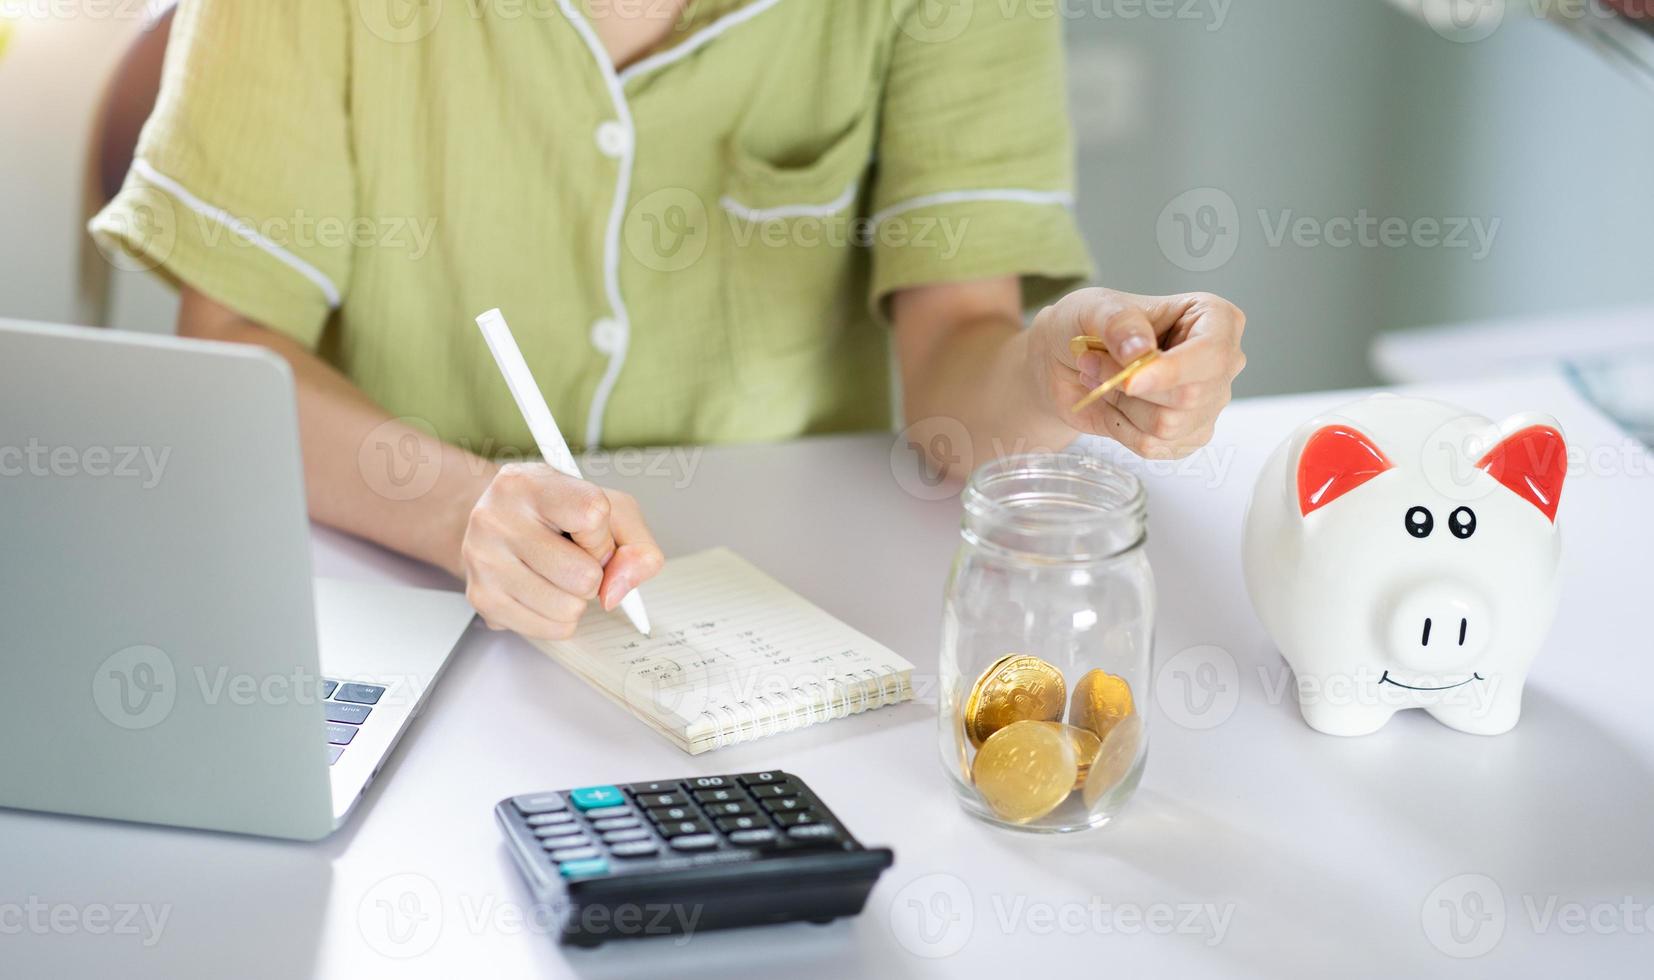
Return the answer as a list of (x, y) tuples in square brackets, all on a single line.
[(1317, 856)]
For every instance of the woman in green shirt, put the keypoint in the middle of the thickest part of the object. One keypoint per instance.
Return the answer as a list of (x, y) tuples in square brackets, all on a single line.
[(707, 221)]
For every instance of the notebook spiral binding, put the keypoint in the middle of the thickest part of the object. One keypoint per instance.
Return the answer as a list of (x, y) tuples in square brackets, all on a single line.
[(809, 704)]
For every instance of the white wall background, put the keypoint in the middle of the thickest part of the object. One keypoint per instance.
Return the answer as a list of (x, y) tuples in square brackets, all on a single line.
[(1322, 110)]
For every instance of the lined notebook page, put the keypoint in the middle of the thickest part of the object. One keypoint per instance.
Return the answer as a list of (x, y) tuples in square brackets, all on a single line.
[(735, 655)]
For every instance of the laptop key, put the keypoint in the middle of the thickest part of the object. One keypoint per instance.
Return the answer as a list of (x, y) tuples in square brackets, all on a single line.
[(347, 714), (341, 734), (327, 688), (333, 753), (359, 693)]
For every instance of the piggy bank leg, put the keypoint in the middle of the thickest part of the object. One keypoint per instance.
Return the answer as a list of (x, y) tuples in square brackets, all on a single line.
[(1347, 716), (1489, 707)]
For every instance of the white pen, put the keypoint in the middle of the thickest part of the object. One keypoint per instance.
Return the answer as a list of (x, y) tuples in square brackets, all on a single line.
[(544, 428)]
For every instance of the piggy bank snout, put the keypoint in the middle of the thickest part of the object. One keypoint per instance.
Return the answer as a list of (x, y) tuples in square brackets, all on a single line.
[(1438, 626)]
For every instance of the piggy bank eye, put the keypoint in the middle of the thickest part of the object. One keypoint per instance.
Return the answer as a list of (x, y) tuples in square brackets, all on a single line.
[(1420, 523), (1462, 522)]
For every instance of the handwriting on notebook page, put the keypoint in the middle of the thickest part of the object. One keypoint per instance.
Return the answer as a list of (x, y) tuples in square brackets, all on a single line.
[(727, 637)]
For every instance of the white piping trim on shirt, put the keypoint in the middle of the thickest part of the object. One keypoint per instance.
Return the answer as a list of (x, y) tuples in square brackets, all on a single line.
[(1016, 194), (760, 215), (611, 239), (701, 37), (242, 228)]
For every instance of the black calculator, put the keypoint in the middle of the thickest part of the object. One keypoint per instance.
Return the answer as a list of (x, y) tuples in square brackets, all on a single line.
[(678, 856)]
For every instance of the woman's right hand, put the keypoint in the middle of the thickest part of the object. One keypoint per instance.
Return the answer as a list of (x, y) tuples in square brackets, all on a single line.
[(523, 574)]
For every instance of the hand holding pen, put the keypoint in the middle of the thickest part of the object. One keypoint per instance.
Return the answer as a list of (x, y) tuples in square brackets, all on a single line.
[(541, 543)]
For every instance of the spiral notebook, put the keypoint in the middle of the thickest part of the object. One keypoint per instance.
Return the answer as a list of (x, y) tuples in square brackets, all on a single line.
[(735, 655)]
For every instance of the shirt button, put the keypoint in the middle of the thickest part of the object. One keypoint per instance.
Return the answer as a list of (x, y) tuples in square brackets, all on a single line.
[(613, 139), (608, 335)]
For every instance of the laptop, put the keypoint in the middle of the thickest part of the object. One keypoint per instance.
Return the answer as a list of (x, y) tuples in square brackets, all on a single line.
[(165, 654)]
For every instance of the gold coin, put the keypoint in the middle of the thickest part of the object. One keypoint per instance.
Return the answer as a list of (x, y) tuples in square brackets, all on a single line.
[(1025, 770), (1101, 700), (1114, 760), (1086, 747), (1016, 688)]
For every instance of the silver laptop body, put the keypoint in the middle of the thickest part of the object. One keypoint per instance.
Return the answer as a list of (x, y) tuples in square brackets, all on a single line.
[(165, 655)]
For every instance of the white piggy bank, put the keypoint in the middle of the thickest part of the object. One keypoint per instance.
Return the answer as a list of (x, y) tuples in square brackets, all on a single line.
[(1403, 554)]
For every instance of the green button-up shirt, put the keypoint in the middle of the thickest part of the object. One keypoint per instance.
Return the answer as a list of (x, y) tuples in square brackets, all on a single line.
[(694, 249)]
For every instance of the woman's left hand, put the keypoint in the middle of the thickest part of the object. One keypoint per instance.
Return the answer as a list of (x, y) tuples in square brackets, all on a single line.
[(1168, 409)]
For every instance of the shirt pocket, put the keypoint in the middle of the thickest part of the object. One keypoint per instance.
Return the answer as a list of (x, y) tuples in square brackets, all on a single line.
[(795, 263)]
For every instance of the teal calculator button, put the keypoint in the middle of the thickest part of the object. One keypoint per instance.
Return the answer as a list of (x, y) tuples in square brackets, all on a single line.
[(591, 797), (584, 869)]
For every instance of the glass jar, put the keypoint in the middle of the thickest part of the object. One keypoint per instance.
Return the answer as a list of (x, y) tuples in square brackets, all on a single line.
[(1047, 636)]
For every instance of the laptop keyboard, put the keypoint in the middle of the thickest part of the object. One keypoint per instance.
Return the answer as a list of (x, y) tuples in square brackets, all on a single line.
[(346, 705)]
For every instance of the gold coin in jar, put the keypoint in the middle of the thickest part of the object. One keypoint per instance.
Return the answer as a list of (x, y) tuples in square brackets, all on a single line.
[(1086, 748), (1113, 762), (1015, 688), (1025, 770), (1101, 701)]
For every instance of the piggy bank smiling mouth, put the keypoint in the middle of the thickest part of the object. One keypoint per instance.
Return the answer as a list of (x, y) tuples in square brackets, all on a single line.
[(1387, 679)]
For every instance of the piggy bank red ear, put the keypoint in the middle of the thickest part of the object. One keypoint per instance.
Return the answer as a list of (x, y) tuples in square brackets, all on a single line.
[(1336, 459), (1532, 462)]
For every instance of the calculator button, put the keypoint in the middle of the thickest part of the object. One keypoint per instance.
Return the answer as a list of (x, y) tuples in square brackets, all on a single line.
[(760, 778), (711, 782), (632, 849), (663, 786), (661, 799), (814, 833), (665, 813), (773, 790), (751, 838), (621, 836), (575, 854), (595, 797), (749, 822), (794, 819), (730, 809), (786, 804), (547, 819), (538, 803), (694, 842), (718, 795), (678, 828), (615, 823), (583, 868), (557, 838)]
